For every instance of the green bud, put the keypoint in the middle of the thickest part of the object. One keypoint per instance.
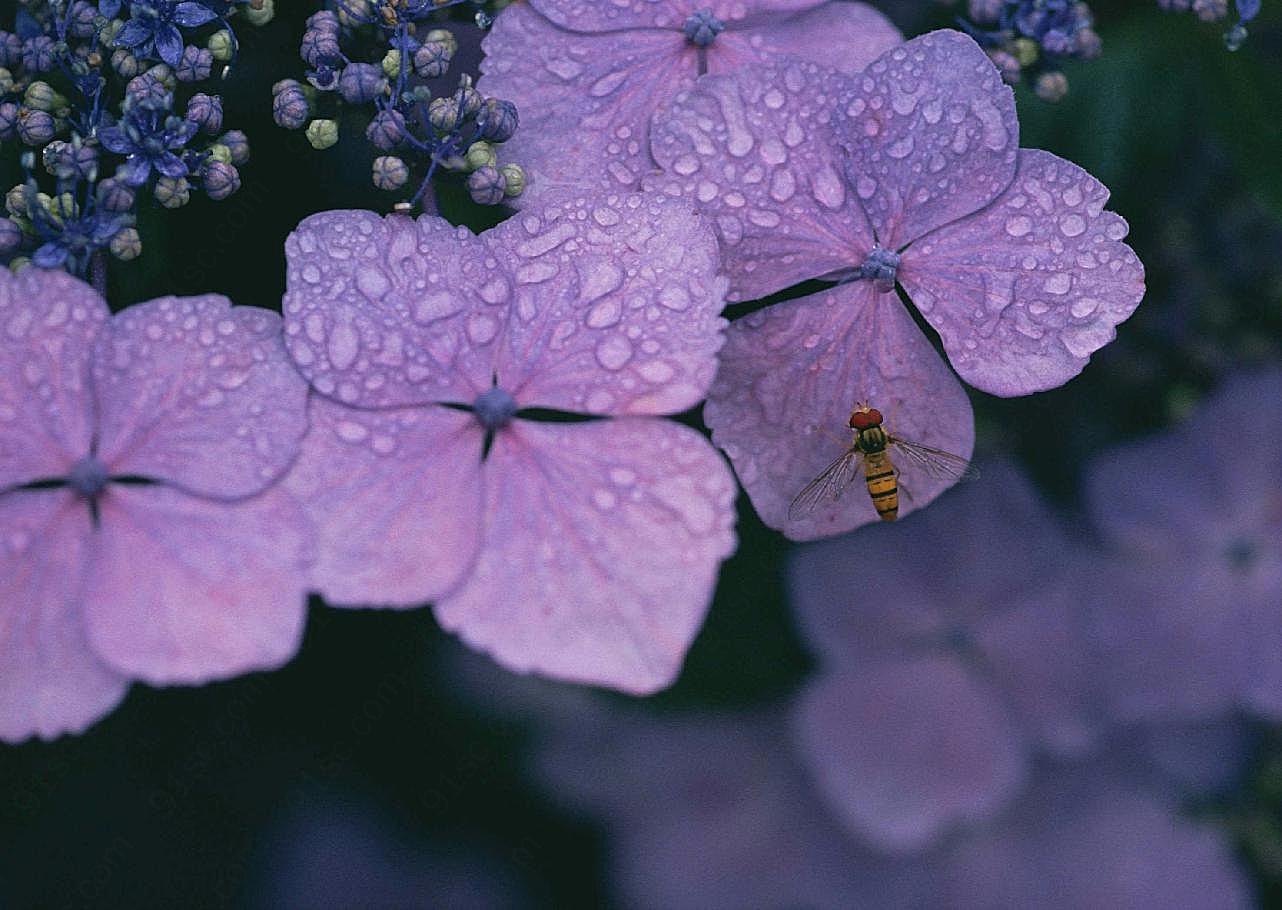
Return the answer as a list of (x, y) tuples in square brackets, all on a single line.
[(322, 134), (515, 176), (41, 96), (164, 75), (444, 37), (15, 201), (6, 81), (390, 172), (221, 45), (392, 63), (220, 152), (481, 154), (126, 245), (18, 263), (173, 192), (1025, 51), (262, 15)]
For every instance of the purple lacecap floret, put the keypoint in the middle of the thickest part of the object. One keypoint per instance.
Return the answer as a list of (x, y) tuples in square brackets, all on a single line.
[(806, 172), (587, 76), (197, 397), (586, 551)]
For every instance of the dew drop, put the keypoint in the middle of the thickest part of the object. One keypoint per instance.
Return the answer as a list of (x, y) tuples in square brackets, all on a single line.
[(343, 345), (1072, 225), (614, 352), (1019, 226), (604, 314)]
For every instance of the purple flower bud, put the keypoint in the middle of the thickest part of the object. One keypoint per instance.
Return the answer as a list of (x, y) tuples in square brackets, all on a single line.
[(320, 47), (702, 28), (443, 113), (487, 185), (386, 131), (124, 63), (468, 99), (172, 192), (10, 49), (432, 59), (68, 161), (1051, 86), (361, 83), (985, 12), (221, 180), (1087, 44), (126, 244), (195, 65), (81, 20), (1008, 65), (290, 108), (37, 54), (8, 120), (149, 93), (390, 173), (1210, 10), (324, 21), (497, 121), (238, 144), (10, 237), (114, 195), (206, 111), (35, 127)]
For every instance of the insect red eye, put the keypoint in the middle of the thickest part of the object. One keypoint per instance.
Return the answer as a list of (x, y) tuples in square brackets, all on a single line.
[(862, 420)]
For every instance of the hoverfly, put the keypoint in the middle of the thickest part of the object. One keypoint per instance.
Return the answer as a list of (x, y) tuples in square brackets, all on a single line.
[(872, 448)]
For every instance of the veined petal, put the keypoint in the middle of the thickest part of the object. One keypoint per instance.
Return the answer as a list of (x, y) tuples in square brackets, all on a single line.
[(190, 15), (598, 89), (1024, 291), (931, 133), (810, 30), (602, 546), (170, 165), (52, 683), (594, 16), (48, 323), (169, 43), (379, 312), (791, 374), (113, 139), (395, 496), (134, 32), (200, 394), (754, 152), (222, 593), (613, 306)]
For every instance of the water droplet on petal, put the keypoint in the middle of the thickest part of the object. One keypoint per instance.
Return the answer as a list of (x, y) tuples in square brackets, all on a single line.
[(343, 345), (1019, 226), (614, 352)]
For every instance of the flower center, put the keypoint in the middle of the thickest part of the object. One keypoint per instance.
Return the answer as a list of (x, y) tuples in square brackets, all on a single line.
[(702, 27), (494, 408), (88, 477), (880, 268)]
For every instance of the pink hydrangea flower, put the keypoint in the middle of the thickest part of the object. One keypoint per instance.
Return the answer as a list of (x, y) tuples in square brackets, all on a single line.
[(584, 550), (945, 676), (712, 810), (104, 579), (908, 173), (587, 76), (1194, 621)]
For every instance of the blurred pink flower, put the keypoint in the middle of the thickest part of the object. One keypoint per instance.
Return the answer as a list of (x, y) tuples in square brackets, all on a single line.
[(1194, 516), (912, 173), (944, 675), (585, 550), (195, 574), (586, 75)]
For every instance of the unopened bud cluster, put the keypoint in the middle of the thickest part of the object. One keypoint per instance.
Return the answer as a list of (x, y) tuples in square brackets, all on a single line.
[(384, 59), (1029, 40), (1218, 11), (105, 98)]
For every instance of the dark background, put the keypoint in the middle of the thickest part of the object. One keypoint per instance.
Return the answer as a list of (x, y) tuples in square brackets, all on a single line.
[(173, 799)]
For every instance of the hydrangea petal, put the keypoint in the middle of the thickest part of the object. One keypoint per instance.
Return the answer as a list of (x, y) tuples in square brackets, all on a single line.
[(790, 376), (1173, 506), (379, 311), (754, 152), (396, 499), (223, 591), (605, 87), (602, 546), (594, 16), (905, 749), (1080, 841), (614, 305), (52, 681), (932, 135), (811, 32), (198, 393), (847, 611), (1024, 291), (48, 322)]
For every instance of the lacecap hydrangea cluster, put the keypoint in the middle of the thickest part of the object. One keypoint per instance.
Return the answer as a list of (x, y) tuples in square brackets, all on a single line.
[(383, 59), (1218, 11), (105, 97), (480, 421), (1030, 40)]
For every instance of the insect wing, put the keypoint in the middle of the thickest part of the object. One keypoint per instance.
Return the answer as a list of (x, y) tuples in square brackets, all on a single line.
[(933, 462), (828, 486)]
